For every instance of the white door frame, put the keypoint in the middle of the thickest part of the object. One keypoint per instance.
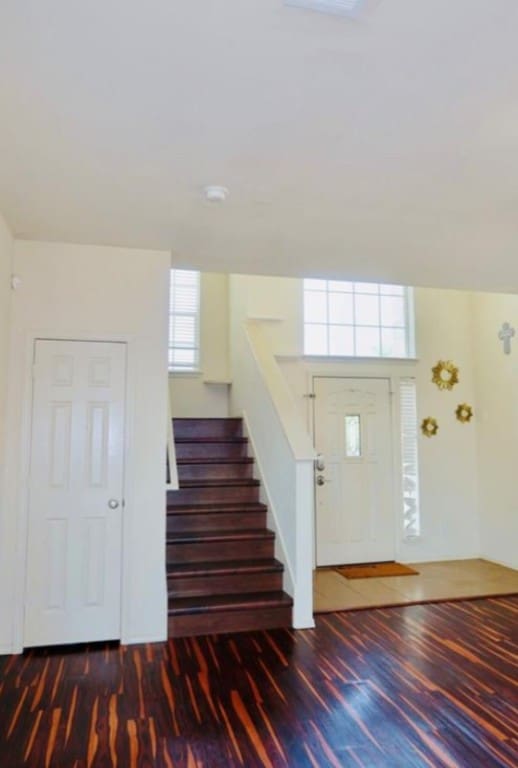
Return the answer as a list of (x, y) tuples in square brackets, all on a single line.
[(365, 369), (392, 442), (22, 483)]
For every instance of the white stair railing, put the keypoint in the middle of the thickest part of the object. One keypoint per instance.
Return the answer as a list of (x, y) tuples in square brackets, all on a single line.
[(284, 456), (172, 474)]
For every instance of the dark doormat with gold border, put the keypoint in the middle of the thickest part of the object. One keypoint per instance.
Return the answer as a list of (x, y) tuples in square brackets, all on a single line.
[(370, 570)]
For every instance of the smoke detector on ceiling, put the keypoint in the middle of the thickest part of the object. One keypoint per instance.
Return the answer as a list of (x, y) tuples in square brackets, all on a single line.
[(335, 7), (215, 193)]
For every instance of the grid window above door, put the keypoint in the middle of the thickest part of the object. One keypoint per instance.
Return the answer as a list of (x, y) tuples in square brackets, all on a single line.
[(346, 319), (184, 320)]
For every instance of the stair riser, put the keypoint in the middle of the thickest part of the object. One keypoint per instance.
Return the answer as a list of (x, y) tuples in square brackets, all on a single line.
[(214, 471), (229, 621), (212, 495), (184, 428), (216, 521), (217, 518), (211, 450), (230, 584), (217, 551)]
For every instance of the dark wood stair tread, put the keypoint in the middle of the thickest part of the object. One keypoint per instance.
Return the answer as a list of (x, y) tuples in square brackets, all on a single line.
[(202, 537), (233, 482), (195, 420), (207, 427), (216, 460), (222, 574), (222, 568), (216, 506), (256, 600), (222, 439)]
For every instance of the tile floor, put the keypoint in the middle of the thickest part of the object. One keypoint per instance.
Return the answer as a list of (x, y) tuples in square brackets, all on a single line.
[(436, 581)]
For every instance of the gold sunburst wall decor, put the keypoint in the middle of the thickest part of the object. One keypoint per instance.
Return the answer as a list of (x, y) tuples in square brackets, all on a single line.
[(445, 374), (429, 427), (464, 413)]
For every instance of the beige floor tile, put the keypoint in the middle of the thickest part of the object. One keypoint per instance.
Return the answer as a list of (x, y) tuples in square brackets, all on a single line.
[(435, 581), (376, 589), (345, 603)]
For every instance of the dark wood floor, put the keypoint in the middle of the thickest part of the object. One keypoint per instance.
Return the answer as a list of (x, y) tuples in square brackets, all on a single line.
[(432, 685)]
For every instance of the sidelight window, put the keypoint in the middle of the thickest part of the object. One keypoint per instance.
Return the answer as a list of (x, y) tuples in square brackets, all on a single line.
[(410, 463)]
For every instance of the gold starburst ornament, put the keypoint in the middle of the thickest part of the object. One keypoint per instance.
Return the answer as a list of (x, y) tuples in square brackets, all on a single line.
[(464, 413), (445, 374), (429, 427)]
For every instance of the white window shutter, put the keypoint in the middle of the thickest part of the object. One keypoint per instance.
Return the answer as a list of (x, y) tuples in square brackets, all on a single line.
[(184, 320), (409, 458)]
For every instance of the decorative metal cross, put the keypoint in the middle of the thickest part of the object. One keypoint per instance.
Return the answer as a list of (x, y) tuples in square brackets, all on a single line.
[(505, 335)]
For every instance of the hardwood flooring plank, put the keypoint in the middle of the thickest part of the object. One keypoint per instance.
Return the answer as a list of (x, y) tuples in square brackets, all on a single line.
[(425, 686)]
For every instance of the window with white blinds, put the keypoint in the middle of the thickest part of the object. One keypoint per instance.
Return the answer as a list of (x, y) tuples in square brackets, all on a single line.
[(184, 320), (347, 319), (409, 456)]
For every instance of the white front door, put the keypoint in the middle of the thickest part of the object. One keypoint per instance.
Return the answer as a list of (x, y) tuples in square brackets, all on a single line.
[(354, 507), (73, 589)]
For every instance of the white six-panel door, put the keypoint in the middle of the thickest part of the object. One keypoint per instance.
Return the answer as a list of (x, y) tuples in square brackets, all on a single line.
[(354, 502), (73, 586)]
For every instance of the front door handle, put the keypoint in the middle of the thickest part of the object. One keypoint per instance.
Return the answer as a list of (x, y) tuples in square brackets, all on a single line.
[(320, 479), (113, 503)]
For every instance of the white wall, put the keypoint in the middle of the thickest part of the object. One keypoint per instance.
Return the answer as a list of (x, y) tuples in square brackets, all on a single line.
[(206, 394), (277, 301), (108, 293), (448, 462), (6, 255), (497, 417)]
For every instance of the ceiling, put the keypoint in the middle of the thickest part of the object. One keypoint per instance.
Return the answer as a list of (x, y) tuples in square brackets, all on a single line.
[(384, 147)]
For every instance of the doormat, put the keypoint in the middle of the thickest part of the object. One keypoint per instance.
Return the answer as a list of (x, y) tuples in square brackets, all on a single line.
[(368, 570)]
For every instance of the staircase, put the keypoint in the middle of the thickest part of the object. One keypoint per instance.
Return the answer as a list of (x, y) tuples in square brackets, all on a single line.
[(221, 572)]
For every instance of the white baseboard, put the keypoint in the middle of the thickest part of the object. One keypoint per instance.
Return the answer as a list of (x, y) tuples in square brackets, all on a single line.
[(304, 623), (143, 639), (7, 650), (503, 563), (438, 559)]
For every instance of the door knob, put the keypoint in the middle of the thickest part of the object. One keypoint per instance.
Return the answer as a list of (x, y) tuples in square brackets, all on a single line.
[(113, 503), (320, 479)]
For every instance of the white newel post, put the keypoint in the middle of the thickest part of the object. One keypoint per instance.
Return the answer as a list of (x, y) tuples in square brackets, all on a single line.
[(303, 598)]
